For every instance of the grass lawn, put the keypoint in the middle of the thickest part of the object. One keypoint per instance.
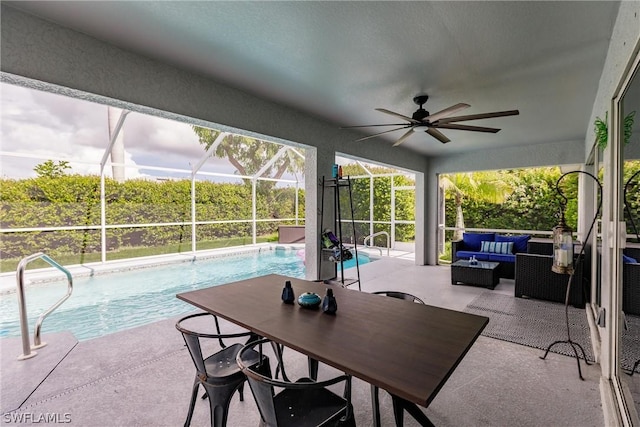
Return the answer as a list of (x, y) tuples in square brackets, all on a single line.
[(11, 264)]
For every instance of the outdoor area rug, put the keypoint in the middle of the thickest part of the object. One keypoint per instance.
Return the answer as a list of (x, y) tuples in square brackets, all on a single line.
[(533, 323), (630, 345)]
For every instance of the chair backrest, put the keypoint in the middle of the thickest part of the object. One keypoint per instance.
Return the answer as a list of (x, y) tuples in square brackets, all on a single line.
[(192, 339), (263, 386), (400, 295), (262, 389)]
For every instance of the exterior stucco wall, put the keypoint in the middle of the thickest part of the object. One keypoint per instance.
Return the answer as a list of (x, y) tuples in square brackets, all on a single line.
[(624, 38)]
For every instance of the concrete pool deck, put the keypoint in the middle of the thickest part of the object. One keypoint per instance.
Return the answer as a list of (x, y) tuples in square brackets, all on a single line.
[(143, 376)]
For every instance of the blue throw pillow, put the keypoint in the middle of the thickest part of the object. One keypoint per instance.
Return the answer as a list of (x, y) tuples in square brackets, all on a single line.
[(519, 242), (497, 247), (473, 241), (628, 260)]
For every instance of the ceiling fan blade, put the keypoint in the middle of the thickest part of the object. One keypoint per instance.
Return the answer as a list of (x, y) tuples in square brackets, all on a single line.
[(466, 127), (382, 133), (447, 111), (437, 135), (480, 116), (403, 137), (367, 126), (407, 118)]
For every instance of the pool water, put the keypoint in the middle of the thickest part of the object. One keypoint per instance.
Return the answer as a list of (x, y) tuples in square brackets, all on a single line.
[(113, 302)]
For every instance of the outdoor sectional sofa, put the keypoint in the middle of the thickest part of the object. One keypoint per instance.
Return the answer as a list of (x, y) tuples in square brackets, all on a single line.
[(631, 282), (503, 251), (534, 278)]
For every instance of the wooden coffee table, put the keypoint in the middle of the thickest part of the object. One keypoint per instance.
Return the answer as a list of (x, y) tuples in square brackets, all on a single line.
[(484, 273)]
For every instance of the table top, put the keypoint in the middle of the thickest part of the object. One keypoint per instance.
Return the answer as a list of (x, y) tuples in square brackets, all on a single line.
[(405, 348), (483, 265)]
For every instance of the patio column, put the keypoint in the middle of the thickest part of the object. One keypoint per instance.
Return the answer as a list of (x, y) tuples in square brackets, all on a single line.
[(318, 163)]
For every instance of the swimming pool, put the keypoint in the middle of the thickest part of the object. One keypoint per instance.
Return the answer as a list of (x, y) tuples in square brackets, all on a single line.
[(117, 301)]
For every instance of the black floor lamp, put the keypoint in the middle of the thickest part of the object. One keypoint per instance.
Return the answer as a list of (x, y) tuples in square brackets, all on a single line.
[(563, 261)]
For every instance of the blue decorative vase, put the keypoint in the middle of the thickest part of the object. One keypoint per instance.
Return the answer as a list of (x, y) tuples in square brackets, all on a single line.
[(309, 300), (329, 304), (288, 296)]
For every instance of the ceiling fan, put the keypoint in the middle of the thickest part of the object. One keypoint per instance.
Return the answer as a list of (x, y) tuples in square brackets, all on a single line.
[(421, 118)]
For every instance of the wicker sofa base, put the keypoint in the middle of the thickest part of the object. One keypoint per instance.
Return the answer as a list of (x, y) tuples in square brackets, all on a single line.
[(631, 283), (534, 279)]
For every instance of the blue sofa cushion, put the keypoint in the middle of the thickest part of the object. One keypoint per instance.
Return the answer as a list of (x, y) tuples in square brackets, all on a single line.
[(519, 242), (628, 260), (473, 241), (480, 256), (502, 257), (497, 247)]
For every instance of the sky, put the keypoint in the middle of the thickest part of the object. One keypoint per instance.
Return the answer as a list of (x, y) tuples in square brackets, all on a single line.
[(57, 127), (49, 126)]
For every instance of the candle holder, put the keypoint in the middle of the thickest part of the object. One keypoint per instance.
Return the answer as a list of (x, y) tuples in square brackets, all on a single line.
[(288, 296), (329, 304)]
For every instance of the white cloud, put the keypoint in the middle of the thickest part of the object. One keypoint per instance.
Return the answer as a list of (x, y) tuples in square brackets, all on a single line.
[(57, 127)]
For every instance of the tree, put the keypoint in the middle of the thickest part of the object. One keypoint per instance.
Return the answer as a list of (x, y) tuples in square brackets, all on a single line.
[(249, 155), (49, 169), (488, 186)]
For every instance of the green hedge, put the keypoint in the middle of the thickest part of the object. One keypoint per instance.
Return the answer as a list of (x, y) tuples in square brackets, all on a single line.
[(74, 200)]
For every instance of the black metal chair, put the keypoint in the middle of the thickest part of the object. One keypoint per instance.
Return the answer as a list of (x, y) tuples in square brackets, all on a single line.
[(219, 373), (399, 405), (400, 295), (298, 404)]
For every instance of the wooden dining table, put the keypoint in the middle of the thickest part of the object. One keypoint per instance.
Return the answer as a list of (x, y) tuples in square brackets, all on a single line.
[(407, 349)]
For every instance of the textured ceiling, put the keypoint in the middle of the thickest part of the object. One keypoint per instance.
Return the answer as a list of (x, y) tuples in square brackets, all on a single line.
[(340, 60)]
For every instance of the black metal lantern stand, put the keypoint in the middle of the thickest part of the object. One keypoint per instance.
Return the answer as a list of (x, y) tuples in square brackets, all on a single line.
[(563, 262), (627, 185)]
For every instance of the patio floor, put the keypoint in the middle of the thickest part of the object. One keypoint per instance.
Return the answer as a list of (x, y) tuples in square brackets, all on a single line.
[(143, 376)]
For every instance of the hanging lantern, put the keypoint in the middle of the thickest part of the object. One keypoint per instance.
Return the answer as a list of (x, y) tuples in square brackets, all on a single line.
[(562, 248)]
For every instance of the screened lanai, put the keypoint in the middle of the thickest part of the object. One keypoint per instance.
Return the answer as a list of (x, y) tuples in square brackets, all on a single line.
[(301, 89), (111, 183)]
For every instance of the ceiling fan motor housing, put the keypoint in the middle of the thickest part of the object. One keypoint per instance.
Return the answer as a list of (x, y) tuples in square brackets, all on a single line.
[(420, 113)]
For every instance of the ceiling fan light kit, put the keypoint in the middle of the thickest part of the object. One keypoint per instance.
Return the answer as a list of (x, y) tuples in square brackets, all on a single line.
[(421, 118)]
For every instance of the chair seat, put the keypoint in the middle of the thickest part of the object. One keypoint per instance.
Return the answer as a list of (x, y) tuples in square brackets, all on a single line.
[(300, 404), (222, 366), (308, 407)]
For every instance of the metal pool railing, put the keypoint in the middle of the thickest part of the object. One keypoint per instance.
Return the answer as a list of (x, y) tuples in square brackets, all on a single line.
[(370, 237), (24, 325)]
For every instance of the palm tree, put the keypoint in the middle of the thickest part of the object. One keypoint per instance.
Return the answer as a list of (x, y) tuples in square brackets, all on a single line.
[(489, 186)]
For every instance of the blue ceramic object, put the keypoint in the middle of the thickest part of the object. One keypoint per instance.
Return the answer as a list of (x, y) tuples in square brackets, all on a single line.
[(309, 300)]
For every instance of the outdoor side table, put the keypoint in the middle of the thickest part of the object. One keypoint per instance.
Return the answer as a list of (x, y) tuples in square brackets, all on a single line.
[(484, 273)]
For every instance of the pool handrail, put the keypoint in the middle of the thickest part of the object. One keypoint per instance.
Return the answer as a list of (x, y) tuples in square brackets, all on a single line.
[(24, 325), (370, 238)]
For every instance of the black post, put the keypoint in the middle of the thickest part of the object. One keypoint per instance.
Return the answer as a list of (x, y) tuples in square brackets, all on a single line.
[(574, 345)]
